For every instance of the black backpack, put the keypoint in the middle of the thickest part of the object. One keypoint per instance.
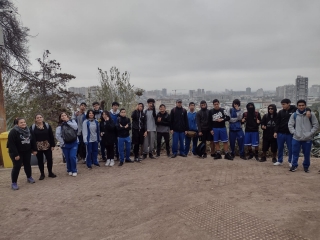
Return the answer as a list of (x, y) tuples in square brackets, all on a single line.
[(68, 134), (201, 149)]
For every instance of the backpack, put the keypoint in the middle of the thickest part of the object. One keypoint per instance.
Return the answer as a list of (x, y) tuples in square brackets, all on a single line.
[(68, 134), (33, 126), (201, 149)]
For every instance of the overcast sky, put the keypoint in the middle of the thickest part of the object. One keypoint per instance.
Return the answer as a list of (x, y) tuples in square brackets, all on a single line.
[(180, 44)]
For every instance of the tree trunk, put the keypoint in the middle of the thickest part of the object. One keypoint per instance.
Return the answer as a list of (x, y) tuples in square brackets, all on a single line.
[(3, 123)]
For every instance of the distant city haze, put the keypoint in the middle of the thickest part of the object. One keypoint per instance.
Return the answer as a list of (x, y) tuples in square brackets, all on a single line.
[(212, 45)]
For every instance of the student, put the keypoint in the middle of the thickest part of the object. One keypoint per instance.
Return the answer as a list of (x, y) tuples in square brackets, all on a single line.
[(108, 136), (302, 128), (114, 114), (282, 133), (252, 120), (268, 124), (45, 143), (235, 129), (139, 131), (123, 129), (217, 119), (163, 129), (91, 138), (79, 117), (204, 127), (98, 115), (193, 130), (21, 144), (66, 134), (178, 127), (148, 144)]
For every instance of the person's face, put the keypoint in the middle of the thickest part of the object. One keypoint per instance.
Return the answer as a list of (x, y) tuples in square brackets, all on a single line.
[(64, 117), (39, 119), (235, 105), (82, 107), (140, 108), (203, 105), (250, 106), (285, 106), (150, 105), (123, 113), (191, 107), (115, 108), (271, 110), (22, 123), (96, 107), (301, 107), (216, 106), (105, 116), (91, 115), (179, 104), (162, 109)]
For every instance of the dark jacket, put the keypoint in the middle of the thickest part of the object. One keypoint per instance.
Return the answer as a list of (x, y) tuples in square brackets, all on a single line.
[(17, 143), (179, 120), (108, 131), (122, 131), (269, 121), (43, 134), (165, 119), (251, 117), (138, 120), (202, 120), (217, 114)]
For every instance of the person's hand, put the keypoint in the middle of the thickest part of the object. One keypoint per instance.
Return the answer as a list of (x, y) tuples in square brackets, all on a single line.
[(236, 107), (171, 131), (263, 127), (145, 134), (34, 153), (211, 132), (86, 143), (185, 132), (17, 158), (126, 126), (107, 118), (52, 148), (243, 120), (220, 120), (200, 134), (308, 114), (275, 135), (120, 125), (159, 119), (258, 121)]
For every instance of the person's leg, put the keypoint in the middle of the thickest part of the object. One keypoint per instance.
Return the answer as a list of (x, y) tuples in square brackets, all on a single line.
[(281, 138), (289, 145), (121, 149), (182, 136), (240, 140), (175, 139), (306, 149), (224, 139), (136, 150), (103, 151), (26, 160), (95, 153), (82, 147), (40, 163), (159, 137), (274, 148), (89, 155), (128, 147), (232, 139), (296, 146), (67, 157), (48, 154), (146, 144), (73, 158), (187, 145), (212, 146), (166, 137), (194, 144), (15, 169), (151, 143), (255, 144)]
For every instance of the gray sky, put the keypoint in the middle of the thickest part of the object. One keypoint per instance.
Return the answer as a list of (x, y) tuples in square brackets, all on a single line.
[(180, 44)]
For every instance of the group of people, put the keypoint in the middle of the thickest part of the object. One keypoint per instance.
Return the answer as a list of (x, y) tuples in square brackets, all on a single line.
[(79, 136)]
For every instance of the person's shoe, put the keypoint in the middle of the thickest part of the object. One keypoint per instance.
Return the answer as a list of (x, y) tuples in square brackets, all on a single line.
[(70, 173), (174, 156), (228, 156), (243, 157), (274, 160), (263, 159), (144, 156), (84, 161), (290, 165), (168, 154), (42, 176), (120, 164), (129, 161), (111, 163), (151, 156), (257, 157), (74, 174), (158, 155), (204, 155), (250, 156), (90, 168), (137, 160), (232, 155), (277, 164), (218, 156), (104, 159), (107, 162), (52, 175), (97, 165), (30, 180), (183, 155), (14, 186), (293, 169), (306, 170), (213, 155)]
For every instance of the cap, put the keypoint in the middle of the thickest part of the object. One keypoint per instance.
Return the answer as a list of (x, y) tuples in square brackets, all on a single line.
[(179, 100)]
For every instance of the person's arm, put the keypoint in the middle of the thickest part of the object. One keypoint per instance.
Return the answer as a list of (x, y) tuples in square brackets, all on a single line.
[(198, 120), (291, 124), (85, 131), (278, 122), (233, 119), (33, 143), (73, 124), (12, 143), (226, 116), (264, 122), (119, 127), (51, 137), (315, 123), (158, 123), (259, 119), (210, 120), (134, 115), (58, 136), (186, 120), (172, 119), (129, 124)]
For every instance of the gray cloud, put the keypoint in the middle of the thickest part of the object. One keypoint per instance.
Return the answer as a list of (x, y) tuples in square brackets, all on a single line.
[(180, 44)]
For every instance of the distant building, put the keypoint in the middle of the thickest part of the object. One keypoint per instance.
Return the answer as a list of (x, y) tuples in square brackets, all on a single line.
[(259, 92), (164, 92), (199, 92), (202, 91), (81, 90), (301, 88), (248, 91), (191, 93), (314, 91)]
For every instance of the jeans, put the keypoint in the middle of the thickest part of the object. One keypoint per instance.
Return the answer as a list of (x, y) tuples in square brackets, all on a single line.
[(70, 154), (187, 144), (121, 142), (178, 137), (25, 158), (239, 137), (92, 153), (281, 139), (306, 149), (166, 137), (48, 154)]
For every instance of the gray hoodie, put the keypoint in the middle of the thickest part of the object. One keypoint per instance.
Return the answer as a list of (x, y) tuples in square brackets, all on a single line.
[(301, 127)]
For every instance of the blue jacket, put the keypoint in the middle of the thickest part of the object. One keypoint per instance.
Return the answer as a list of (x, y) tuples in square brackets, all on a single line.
[(86, 131), (235, 119), (114, 116), (192, 121)]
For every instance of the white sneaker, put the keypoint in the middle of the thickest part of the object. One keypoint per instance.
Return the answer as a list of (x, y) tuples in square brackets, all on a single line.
[(111, 162), (277, 164), (290, 165), (74, 174), (70, 173), (108, 162)]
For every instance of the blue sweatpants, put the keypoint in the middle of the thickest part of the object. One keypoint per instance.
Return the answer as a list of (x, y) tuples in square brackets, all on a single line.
[(178, 137), (239, 137), (70, 154), (121, 142), (306, 149), (92, 154), (187, 144), (281, 139)]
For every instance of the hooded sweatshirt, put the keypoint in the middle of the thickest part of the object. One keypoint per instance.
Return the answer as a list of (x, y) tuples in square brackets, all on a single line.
[(91, 131), (179, 120), (138, 120), (192, 121), (251, 119), (114, 115), (20, 140), (235, 123), (301, 127), (269, 120), (202, 119), (122, 131), (164, 125)]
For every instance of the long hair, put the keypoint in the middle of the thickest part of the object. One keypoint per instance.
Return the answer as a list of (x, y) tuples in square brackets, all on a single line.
[(106, 113), (35, 116), (88, 112), (60, 120)]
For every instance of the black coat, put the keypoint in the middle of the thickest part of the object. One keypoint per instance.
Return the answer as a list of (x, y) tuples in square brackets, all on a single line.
[(165, 119), (121, 130), (138, 120), (50, 136), (17, 143), (179, 120), (108, 131)]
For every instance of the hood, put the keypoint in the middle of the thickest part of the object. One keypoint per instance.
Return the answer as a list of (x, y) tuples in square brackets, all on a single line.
[(274, 108), (114, 113), (251, 103)]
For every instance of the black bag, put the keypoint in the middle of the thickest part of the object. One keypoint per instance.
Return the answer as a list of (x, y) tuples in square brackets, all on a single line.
[(68, 134), (201, 149)]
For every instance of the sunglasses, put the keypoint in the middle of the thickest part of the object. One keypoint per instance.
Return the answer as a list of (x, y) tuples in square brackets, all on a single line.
[(270, 108)]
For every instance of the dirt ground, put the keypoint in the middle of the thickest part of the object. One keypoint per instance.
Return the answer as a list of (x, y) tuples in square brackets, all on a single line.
[(181, 198)]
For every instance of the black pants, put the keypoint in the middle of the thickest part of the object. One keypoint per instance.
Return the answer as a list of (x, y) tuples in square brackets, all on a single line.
[(166, 137), (137, 140), (82, 153), (269, 142), (25, 158), (110, 151), (48, 154)]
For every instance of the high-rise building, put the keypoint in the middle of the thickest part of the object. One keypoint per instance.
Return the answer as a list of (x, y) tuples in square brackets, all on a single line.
[(259, 92), (314, 91), (248, 91), (164, 92), (202, 91), (191, 93), (301, 88), (198, 91), (289, 92)]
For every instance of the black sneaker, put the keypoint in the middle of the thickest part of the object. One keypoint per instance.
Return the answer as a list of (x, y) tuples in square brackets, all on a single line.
[(158, 155), (183, 155), (144, 156), (120, 164), (90, 168), (98, 165), (243, 157), (204, 155), (129, 160), (274, 160), (174, 156), (263, 159), (306, 170), (256, 157), (168, 154), (213, 155), (250, 156), (151, 156), (232, 155), (228, 156), (218, 156), (42, 176), (52, 175), (293, 169)]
